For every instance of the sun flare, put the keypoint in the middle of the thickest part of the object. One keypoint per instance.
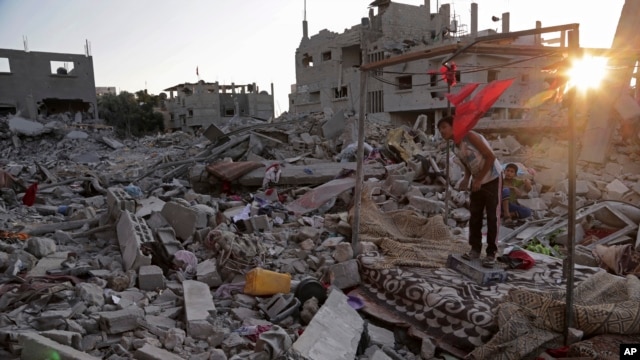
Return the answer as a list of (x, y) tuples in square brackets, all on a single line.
[(587, 72)]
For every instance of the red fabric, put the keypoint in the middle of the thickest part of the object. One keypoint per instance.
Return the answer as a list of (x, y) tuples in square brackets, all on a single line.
[(466, 90), (30, 195), (469, 112), (449, 73), (527, 260)]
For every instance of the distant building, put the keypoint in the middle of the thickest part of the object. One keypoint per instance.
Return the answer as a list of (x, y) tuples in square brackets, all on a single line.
[(46, 83), (194, 106), (328, 65), (103, 90)]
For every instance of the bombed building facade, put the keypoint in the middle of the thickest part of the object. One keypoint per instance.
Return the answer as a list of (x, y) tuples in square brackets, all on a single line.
[(192, 106), (328, 64), (46, 83)]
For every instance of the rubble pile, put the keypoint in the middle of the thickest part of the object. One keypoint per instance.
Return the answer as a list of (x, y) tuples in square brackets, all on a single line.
[(231, 244)]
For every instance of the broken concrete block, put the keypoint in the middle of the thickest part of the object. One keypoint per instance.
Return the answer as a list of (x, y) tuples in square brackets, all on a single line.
[(399, 188), (345, 274), (343, 252), (114, 144), (150, 352), (198, 302), (379, 354), (512, 144), (582, 187), (40, 246), (322, 339), (69, 338), (208, 273), (258, 223), (593, 192), (132, 233), (334, 126), (549, 178), (149, 205), (150, 278), (461, 214), (35, 346), (119, 321), (167, 238), (427, 348), (119, 200), (307, 232), (616, 190), (90, 293), (425, 205), (613, 169), (389, 205), (381, 336), (535, 204), (184, 220), (50, 262)]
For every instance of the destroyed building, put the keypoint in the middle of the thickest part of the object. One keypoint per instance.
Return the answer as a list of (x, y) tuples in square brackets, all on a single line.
[(415, 42), (46, 83), (193, 106)]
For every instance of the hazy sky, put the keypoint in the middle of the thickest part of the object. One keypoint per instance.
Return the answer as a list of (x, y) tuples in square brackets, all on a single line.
[(159, 43)]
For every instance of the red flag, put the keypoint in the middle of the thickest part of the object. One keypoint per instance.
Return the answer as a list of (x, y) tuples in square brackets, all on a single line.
[(30, 195), (466, 90), (469, 112), (449, 73)]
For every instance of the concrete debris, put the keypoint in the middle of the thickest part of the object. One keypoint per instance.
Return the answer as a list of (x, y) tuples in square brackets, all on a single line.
[(146, 246)]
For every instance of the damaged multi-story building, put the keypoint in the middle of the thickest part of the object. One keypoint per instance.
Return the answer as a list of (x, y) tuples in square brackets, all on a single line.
[(328, 65), (46, 83), (194, 106)]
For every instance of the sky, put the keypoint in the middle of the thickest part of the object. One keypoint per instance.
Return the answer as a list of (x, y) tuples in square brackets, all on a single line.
[(156, 44)]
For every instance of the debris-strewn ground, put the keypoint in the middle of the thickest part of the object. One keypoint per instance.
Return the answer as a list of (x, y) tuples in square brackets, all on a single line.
[(238, 244)]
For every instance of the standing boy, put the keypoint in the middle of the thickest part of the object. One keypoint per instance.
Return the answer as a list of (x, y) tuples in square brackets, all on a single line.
[(483, 168)]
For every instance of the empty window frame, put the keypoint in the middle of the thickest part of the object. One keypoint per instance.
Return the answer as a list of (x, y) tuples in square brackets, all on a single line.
[(4, 65), (492, 75), (340, 93), (314, 97), (404, 82), (326, 56), (307, 60), (61, 67)]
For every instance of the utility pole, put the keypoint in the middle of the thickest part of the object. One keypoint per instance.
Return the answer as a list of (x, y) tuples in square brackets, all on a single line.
[(569, 265), (355, 230)]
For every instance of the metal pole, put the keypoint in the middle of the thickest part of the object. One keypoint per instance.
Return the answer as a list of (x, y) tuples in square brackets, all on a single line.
[(355, 229), (569, 265), (447, 193)]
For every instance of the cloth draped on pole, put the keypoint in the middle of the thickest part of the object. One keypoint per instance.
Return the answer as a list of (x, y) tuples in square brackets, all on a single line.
[(469, 112), (458, 97)]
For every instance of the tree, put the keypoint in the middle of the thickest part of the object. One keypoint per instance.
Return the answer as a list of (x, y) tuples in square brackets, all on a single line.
[(130, 114)]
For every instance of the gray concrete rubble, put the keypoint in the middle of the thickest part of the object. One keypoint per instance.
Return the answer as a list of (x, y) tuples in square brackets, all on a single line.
[(144, 246)]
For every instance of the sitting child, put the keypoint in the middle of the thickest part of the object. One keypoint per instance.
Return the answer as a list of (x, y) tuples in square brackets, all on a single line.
[(512, 189)]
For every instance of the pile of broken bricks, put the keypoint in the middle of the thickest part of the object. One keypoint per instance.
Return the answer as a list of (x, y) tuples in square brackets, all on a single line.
[(135, 250)]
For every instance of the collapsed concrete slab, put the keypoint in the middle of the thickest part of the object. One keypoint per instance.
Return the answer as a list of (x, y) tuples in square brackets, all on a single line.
[(35, 346), (184, 220), (198, 302), (334, 332), (310, 174), (132, 232)]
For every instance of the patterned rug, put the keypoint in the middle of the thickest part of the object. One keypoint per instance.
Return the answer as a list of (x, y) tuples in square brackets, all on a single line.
[(453, 310)]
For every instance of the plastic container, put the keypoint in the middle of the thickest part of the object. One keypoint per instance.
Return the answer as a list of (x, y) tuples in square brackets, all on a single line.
[(261, 282)]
